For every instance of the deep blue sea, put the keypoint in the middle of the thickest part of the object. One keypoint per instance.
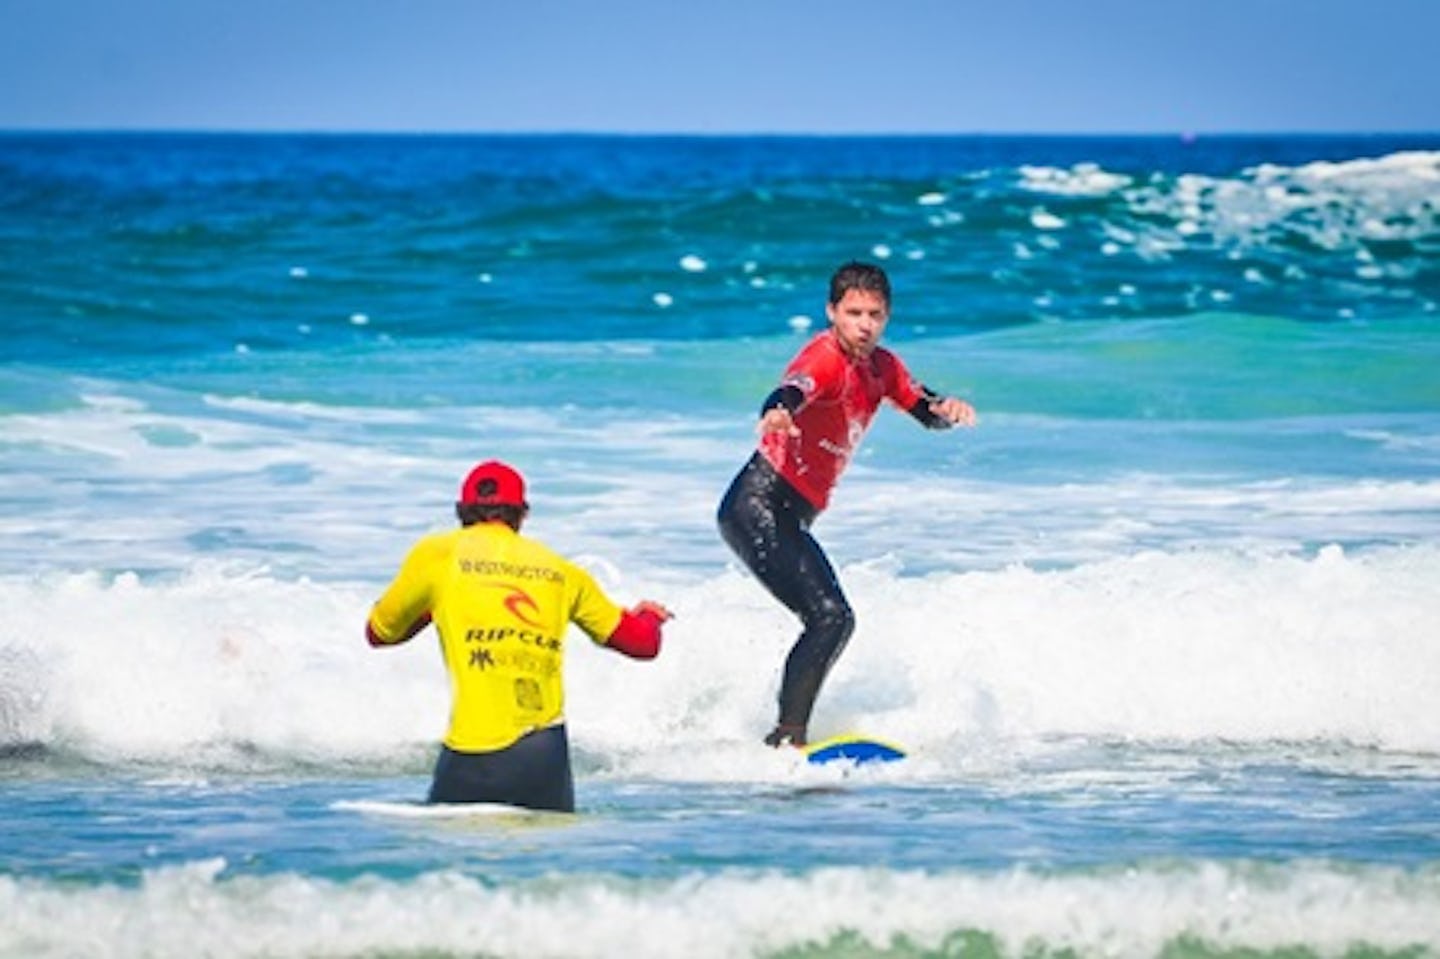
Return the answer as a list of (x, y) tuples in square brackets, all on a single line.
[(1162, 633)]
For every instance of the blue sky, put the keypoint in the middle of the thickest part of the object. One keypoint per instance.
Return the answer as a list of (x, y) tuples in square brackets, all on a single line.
[(827, 66)]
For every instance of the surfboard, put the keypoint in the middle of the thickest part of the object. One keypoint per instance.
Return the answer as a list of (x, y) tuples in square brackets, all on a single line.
[(414, 809), (854, 748)]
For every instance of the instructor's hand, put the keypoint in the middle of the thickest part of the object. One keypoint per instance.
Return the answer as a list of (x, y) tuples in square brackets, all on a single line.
[(954, 411), (654, 608)]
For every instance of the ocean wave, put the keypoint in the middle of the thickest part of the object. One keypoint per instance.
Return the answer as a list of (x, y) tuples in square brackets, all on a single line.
[(235, 668), (1199, 909), (266, 244)]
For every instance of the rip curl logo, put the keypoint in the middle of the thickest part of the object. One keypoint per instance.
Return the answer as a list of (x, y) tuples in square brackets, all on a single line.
[(519, 603), (522, 607), (802, 381)]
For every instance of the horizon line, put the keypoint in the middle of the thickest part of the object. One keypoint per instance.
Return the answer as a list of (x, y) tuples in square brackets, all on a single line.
[(1181, 134)]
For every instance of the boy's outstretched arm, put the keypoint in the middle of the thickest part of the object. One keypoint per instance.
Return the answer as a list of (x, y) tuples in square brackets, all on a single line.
[(942, 412)]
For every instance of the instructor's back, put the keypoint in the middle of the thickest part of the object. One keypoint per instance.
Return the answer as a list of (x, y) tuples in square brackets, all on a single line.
[(502, 604)]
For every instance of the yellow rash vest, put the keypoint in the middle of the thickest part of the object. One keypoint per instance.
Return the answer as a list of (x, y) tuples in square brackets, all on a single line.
[(502, 604)]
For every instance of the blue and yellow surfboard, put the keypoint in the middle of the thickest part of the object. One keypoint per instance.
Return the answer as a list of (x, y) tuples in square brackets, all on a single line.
[(854, 748)]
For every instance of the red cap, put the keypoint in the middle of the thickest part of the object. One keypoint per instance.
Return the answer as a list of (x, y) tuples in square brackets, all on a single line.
[(492, 483)]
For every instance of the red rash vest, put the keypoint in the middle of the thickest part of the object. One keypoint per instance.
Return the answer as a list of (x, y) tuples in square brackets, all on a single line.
[(841, 394)]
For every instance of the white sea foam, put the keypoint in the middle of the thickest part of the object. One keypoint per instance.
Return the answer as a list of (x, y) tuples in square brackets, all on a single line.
[(1044, 220), (1193, 647), (149, 480), (300, 411), (1083, 179), (203, 909), (1337, 206)]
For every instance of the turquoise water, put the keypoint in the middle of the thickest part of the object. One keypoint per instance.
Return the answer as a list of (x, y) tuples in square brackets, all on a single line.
[(1160, 633)]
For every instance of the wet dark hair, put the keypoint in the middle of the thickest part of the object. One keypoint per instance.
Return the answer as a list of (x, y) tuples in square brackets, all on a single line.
[(859, 276), (471, 513)]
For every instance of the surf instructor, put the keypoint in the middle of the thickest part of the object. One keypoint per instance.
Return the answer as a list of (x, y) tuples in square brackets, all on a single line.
[(810, 426), (502, 603)]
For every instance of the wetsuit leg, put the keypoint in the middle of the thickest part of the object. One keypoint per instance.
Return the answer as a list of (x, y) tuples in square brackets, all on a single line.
[(766, 522), (533, 773)]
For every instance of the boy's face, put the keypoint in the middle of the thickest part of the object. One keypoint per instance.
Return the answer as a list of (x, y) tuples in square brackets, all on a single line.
[(859, 320)]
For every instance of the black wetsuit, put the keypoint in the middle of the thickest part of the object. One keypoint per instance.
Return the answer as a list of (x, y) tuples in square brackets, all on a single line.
[(533, 773), (766, 522)]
